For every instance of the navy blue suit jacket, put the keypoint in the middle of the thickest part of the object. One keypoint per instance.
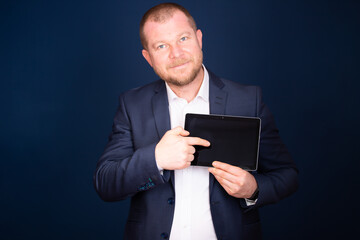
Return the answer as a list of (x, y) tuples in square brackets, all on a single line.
[(127, 167)]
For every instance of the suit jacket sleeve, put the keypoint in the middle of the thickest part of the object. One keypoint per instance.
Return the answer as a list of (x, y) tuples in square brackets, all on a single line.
[(277, 175), (122, 170)]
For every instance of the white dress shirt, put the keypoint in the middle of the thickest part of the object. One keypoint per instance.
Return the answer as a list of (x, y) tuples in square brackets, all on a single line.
[(192, 216)]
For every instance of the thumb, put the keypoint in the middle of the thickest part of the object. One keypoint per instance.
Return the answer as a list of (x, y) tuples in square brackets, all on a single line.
[(179, 131)]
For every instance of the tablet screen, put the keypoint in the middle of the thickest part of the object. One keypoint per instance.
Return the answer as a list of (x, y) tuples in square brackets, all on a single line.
[(234, 140)]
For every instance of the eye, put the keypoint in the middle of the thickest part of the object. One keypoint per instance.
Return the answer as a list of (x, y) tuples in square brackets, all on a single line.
[(161, 46), (183, 39)]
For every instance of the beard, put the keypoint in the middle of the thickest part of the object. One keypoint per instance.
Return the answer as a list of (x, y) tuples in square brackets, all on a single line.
[(182, 78)]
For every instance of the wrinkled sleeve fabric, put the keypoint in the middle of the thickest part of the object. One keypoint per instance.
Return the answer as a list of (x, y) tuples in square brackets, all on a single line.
[(277, 175), (122, 171)]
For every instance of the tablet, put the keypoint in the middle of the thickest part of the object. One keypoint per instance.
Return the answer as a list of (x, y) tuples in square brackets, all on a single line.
[(234, 140)]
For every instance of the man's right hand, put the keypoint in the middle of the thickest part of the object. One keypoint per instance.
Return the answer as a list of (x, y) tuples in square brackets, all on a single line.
[(175, 149)]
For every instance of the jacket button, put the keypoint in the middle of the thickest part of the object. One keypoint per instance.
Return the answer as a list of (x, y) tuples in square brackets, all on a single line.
[(171, 201), (164, 235)]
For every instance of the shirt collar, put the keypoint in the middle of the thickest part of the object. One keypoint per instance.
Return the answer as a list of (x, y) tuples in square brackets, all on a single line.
[(203, 91)]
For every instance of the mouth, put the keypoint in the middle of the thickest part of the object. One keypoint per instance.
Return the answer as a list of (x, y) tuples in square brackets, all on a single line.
[(181, 65)]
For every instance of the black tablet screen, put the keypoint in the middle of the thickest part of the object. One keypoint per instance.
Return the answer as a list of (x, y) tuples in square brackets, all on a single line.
[(234, 140)]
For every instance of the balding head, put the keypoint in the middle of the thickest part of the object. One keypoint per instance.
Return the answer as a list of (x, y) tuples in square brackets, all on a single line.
[(160, 14)]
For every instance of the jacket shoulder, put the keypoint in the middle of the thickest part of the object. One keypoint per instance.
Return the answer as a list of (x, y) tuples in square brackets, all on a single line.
[(144, 92), (232, 86), (235, 86)]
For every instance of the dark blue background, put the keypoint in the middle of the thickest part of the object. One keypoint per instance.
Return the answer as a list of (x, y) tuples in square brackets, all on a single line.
[(63, 64)]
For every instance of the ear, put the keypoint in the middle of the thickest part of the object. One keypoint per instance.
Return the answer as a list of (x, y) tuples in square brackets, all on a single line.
[(199, 37), (146, 55)]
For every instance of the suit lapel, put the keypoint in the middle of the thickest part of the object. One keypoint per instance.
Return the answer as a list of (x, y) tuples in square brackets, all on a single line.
[(217, 98), (160, 107)]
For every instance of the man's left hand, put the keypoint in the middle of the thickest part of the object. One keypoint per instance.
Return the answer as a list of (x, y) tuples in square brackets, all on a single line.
[(236, 181)]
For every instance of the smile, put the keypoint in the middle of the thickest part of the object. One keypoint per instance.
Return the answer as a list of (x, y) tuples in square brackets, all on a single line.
[(179, 66)]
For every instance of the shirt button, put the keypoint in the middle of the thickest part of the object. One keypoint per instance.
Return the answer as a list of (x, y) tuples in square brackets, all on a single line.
[(164, 235), (171, 201)]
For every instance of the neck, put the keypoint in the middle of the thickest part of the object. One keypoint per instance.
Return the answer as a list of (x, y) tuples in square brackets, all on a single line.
[(189, 91)]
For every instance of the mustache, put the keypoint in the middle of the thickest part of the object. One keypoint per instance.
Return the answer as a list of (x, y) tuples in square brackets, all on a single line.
[(178, 62)]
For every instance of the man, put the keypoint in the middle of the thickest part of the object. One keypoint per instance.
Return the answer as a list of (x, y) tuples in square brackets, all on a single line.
[(148, 155)]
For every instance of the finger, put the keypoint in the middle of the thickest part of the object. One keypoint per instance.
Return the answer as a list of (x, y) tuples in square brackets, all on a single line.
[(190, 157), (228, 186), (184, 133), (183, 166), (224, 175), (228, 168), (191, 150), (178, 131), (197, 141)]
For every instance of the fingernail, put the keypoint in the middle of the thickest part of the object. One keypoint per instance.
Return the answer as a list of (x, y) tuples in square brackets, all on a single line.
[(214, 163)]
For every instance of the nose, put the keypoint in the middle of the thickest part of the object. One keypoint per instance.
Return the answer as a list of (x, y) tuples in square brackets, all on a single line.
[(175, 51)]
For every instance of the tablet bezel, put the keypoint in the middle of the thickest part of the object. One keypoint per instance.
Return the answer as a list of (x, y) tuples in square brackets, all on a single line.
[(210, 117)]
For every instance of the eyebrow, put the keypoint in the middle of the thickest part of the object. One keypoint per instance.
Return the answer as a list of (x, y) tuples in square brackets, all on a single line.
[(161, 41)]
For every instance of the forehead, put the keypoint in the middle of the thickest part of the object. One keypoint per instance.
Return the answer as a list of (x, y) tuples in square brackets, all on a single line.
[(160, 31)]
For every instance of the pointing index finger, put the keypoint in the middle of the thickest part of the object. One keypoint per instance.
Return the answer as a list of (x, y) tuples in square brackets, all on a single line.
[(197, 141)]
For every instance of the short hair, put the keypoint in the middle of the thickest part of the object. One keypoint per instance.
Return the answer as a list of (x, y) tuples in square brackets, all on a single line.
[(160, 14)]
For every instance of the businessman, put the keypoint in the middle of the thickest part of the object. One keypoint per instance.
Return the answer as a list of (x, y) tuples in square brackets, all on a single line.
[(148, 156)]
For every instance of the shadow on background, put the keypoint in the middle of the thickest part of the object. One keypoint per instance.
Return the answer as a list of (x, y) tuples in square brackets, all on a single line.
[(63, 64)]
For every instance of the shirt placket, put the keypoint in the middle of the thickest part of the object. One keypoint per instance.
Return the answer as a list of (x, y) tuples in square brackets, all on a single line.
[(187, 189)]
